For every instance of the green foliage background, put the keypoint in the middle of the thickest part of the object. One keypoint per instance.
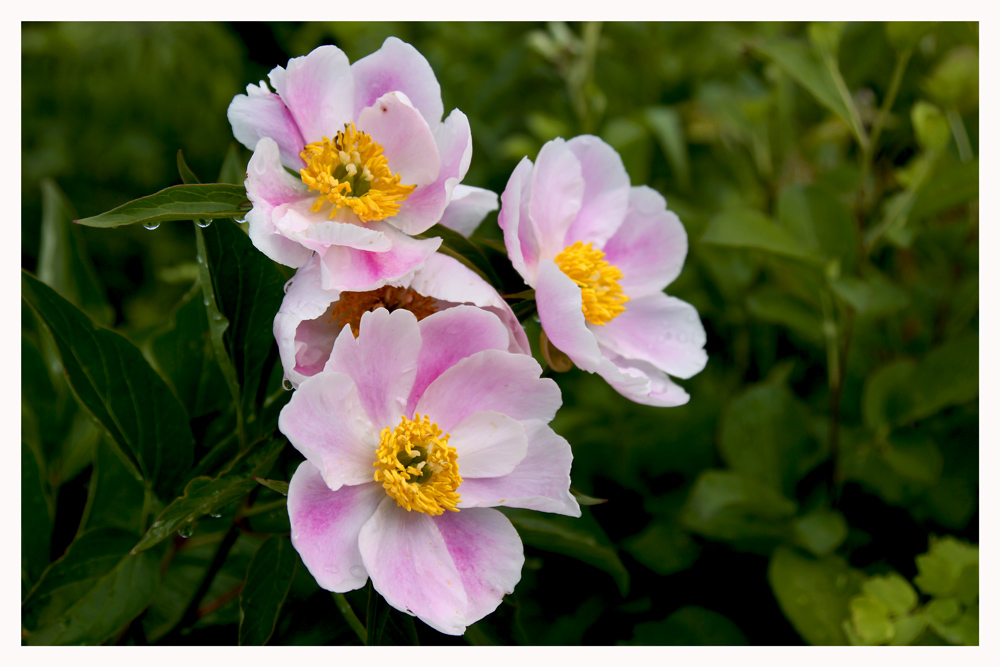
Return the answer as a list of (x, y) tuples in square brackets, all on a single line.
[(820, 487)]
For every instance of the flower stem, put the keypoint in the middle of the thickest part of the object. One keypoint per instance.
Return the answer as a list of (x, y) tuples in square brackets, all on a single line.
[(352, 619)]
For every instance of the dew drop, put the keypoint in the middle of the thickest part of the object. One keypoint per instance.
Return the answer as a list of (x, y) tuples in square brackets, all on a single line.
[(260, 167), (358, 571), (240, 220), (150, 225), (286, 384), (186, 530), (203, 223)]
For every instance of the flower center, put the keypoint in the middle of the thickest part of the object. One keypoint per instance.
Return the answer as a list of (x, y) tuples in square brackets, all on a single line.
[(352, 305), (603, 298), (417, 467), (352, 171)]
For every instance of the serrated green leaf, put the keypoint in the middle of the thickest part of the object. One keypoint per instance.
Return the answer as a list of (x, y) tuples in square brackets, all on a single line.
[(820, 531), (36, 518), (203, 201), (689, 626), (814, 593), (268, 581), (205, 495), (114, 381), (86, 596), (893, 591), (746, 228), (821, 222), (726, 505)]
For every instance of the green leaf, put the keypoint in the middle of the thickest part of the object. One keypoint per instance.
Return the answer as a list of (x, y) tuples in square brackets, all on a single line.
[(893, 591), (814, 593), (36, 518), (234, 167), (90, 593), (664, 547), (585, 500), (203, 201), (726, 505), (873, 296), (665, 124), (581, 538), (775, 305), (116, 497), (114, 381), (205, 495), (955, 79), (951, 184), (950, 568), (63, 264), (689, 626), (274, 485), (906, 629), (914, 455), (871, 622), (948, 375), (268, 581), (905, 35), (931, 127), (883, 398), (746, 228), (821, 222), (820, 531)]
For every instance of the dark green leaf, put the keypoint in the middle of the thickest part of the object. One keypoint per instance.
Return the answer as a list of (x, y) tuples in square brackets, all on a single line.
[(746, 228), (36, 518), (90, 593), (204, 495), (116, 497), (274, 485), (114, 381), (187, 176), (269, 578), (180, 202), (820, 531), (664, 547), (948, 375), (822, 222), (586, 500), (689, 626), (668, 129), (726, 505), (234, 167), (951, 184), (873, 296), (905, 35), (773, 304), (914, 456)]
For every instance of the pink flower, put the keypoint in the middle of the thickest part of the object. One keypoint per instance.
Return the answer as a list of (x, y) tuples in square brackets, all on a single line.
[(599, 254), (412, 433), (374, 163), (311, 318)]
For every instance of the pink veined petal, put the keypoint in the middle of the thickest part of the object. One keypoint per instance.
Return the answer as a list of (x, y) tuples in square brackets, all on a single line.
[(326, 525), (658, 329), (556, 196), (448, 337), (427, 204), (560, 308), (518, 233), (326, 422), (318, 89), (467, 208), (407, 142), (397, 66), (491, 380), (382, 361), (449, 571), (260, 113), (605, 193), (539, 482), (317, 232), (350, 269), (302, 326), (641, 382), (650, 246), (270, 188), (488, 444)]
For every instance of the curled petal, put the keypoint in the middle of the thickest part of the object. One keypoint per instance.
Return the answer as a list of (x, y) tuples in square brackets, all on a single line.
[(467, 208), (641, 382), (305, 337), (397, 66), (260, 113), (270, 188), (350, 269), (318, 90), (407, 142), (518, 233), (557, 188), (560, 308), (317, 232)]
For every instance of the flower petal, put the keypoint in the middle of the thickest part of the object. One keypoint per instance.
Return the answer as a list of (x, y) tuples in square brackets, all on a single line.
[(491, 380), (270, 188), (318, 90), (449, 336), (539, 482), (556, 196), (641, 382), (382, 361), (658, 329), (518, 233), (488, 444), (650, 246), (407, 141), (326, 524), (318, 232), (260, 113), (560, 308), (350, 269), (397, 66), (302, 327), (605, 194), (467, 208)]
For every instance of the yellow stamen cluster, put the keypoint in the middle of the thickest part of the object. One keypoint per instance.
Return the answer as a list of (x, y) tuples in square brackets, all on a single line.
[(352, 305), (352, 171), (603, 298), (417, 468)]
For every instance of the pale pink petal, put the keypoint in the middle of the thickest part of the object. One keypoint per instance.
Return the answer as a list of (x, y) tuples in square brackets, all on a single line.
[(539, 482), (302, 327), (556, 196), (658, 329), (270, 187), (448, 337), (407, 142), (350, 269), (382, 361), (260, 113), (397, 66), (467, 208), (605, 194), (488, 444), (319, 91), (317, 231), (650, 246), (426, 205), (491, 380), (641, 382), (560, 308), (518, 233), (326, 525), (325, 420)]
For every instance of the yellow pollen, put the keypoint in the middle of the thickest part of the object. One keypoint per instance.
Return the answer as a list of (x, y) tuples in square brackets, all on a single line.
[(603, 298), (352, 171), (352, 305), (417, 468)]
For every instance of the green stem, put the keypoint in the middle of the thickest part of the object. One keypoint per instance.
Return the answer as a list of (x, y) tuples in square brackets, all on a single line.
[(845, 95), (902, 60), (961, 136), (352, 619), (378, 614)]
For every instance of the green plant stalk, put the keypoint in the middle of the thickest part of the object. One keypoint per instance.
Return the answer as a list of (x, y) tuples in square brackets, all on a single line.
[(351, 618), (961, 136), (859, 129), (868, 156)]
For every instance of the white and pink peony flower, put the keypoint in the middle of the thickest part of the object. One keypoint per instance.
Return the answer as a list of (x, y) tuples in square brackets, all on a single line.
[(413, 432), (350, 160), (599, 254)]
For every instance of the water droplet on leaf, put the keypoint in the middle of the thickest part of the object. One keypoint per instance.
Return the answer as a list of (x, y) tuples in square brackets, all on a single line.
[(240, 220), (203, 223), (150, 225), (286, 384)]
